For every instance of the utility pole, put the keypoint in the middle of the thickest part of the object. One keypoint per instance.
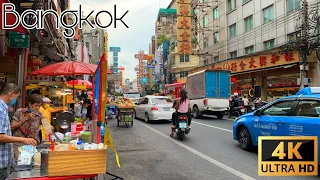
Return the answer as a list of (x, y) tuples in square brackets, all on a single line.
[(304, 46)]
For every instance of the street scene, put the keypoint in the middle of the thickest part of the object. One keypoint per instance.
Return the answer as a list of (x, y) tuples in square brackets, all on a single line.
[(160, 89)]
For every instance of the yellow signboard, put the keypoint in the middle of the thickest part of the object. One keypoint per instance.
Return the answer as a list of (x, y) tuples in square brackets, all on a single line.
[(255, 62), (184, 26)]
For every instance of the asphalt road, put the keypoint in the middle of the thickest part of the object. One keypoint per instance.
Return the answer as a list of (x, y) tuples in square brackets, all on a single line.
[(146, 151)]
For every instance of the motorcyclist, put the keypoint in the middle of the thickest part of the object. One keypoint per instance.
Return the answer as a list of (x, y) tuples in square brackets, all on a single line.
[(234, 103), (182, 106)]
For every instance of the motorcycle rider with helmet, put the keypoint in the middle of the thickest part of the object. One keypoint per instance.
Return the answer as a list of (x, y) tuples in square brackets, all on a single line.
[(234, 103), (182, 106)]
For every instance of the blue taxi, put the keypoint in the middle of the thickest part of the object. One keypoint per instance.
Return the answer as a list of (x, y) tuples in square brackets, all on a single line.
[(297, 115)]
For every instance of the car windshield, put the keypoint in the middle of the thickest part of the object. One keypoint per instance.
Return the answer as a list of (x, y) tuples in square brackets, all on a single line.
[(161, 100)]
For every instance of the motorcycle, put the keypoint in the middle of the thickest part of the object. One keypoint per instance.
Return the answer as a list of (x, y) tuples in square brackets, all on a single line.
[(238, 111), (181, 128)]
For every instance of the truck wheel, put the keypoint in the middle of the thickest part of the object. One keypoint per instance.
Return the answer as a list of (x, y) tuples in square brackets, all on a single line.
[(195, 112), (220, 115)]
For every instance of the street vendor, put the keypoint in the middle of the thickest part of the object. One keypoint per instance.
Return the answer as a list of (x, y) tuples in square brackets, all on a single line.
[(26, 122), (88, 106), (46, 111), (8, 97)]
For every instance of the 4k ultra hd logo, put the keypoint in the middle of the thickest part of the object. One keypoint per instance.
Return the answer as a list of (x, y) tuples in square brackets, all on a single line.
[(39, 19), (288, 156)]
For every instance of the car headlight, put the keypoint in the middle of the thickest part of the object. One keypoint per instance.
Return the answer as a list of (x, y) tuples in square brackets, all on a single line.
[(236, 119)]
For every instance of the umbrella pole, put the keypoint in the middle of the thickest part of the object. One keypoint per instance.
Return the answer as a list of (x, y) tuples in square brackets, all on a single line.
[(73, 86)]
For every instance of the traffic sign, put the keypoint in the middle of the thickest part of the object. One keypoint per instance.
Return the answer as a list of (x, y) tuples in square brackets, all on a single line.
[(114, 49)]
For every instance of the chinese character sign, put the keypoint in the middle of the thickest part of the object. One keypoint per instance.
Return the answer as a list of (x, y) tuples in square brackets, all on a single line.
[(184, 26)]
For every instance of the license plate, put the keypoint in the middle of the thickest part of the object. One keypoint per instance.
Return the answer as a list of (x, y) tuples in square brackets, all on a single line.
[(112, 106), (243, 110), (166, 109), (182, 125)]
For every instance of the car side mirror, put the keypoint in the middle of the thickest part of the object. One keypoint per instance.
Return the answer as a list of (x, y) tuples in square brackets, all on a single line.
[(257, 113)]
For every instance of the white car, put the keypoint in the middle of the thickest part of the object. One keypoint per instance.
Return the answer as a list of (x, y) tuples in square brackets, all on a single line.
[(154, 108)]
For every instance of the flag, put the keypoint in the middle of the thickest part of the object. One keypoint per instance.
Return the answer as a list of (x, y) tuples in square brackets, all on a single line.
[(109, 142)]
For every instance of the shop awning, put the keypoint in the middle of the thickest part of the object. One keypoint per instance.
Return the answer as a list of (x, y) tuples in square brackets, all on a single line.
[(11, 19)]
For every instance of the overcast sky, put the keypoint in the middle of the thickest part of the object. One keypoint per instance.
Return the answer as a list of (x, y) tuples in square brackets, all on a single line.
[(141, 20)]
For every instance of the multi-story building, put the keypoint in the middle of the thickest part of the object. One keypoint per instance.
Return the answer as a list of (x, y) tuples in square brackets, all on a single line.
[(94, 41), (176, 65), (258, 41)]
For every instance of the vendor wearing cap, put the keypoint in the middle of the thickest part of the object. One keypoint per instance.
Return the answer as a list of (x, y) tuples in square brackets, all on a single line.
[(46, 111), (87, 104)]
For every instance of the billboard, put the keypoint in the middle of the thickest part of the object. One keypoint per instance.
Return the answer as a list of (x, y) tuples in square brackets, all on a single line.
[(184, 26)]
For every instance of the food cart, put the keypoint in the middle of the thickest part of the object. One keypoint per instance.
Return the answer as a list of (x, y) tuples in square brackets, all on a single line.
[(125, 111), (72, 158)]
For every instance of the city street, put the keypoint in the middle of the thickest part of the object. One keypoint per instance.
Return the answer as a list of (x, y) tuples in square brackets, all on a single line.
[(146, 151)]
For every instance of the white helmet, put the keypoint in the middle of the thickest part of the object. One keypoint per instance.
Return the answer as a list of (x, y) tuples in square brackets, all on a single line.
[(235, 94)]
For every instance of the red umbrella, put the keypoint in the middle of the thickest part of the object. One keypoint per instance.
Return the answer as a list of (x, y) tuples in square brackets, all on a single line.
[(80, 82), (66, 68)]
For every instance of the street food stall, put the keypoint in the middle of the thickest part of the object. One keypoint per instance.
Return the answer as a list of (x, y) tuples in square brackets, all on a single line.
[(79, 153), (125, 111)]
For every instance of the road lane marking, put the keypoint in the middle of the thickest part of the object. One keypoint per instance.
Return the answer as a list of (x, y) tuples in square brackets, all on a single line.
[(212, 126), (213, 161)]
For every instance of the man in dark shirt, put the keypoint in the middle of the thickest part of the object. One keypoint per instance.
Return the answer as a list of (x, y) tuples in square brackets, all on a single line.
[(87, 104)]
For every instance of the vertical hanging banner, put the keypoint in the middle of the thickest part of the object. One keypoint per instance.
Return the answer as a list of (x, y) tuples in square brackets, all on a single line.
[(184, 26), (115, 51)]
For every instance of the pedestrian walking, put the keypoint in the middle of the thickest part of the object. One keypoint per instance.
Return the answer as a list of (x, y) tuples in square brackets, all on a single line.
[(8, 97)]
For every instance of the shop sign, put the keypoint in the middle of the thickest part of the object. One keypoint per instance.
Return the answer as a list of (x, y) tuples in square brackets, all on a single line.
[(115, 53), (39, 78), (115, 70), (114, 49), (258, 62), (150, 66), (184, 26), (18, 40)]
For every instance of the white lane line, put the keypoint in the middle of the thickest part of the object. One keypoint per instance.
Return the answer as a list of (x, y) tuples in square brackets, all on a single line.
[(212, 126), (213, 161)]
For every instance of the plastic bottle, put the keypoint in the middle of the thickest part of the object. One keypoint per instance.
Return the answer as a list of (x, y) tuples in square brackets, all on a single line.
[(80, 145)]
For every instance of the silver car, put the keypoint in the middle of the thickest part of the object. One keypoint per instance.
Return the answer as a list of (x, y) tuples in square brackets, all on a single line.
[(154, 108)]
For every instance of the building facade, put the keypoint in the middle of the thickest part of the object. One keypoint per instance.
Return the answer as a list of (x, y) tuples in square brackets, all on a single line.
[(258, 41)]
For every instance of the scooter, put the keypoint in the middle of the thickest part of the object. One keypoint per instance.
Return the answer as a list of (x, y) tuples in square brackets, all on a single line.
[(181, 128)]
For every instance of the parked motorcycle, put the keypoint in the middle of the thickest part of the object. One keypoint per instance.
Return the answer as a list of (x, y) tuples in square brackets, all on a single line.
[(181, 128)]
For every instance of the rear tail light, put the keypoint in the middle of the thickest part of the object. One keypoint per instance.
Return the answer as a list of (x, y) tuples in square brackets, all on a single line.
[(241, 107), (205, 102), (154, 108), (183, 118)]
